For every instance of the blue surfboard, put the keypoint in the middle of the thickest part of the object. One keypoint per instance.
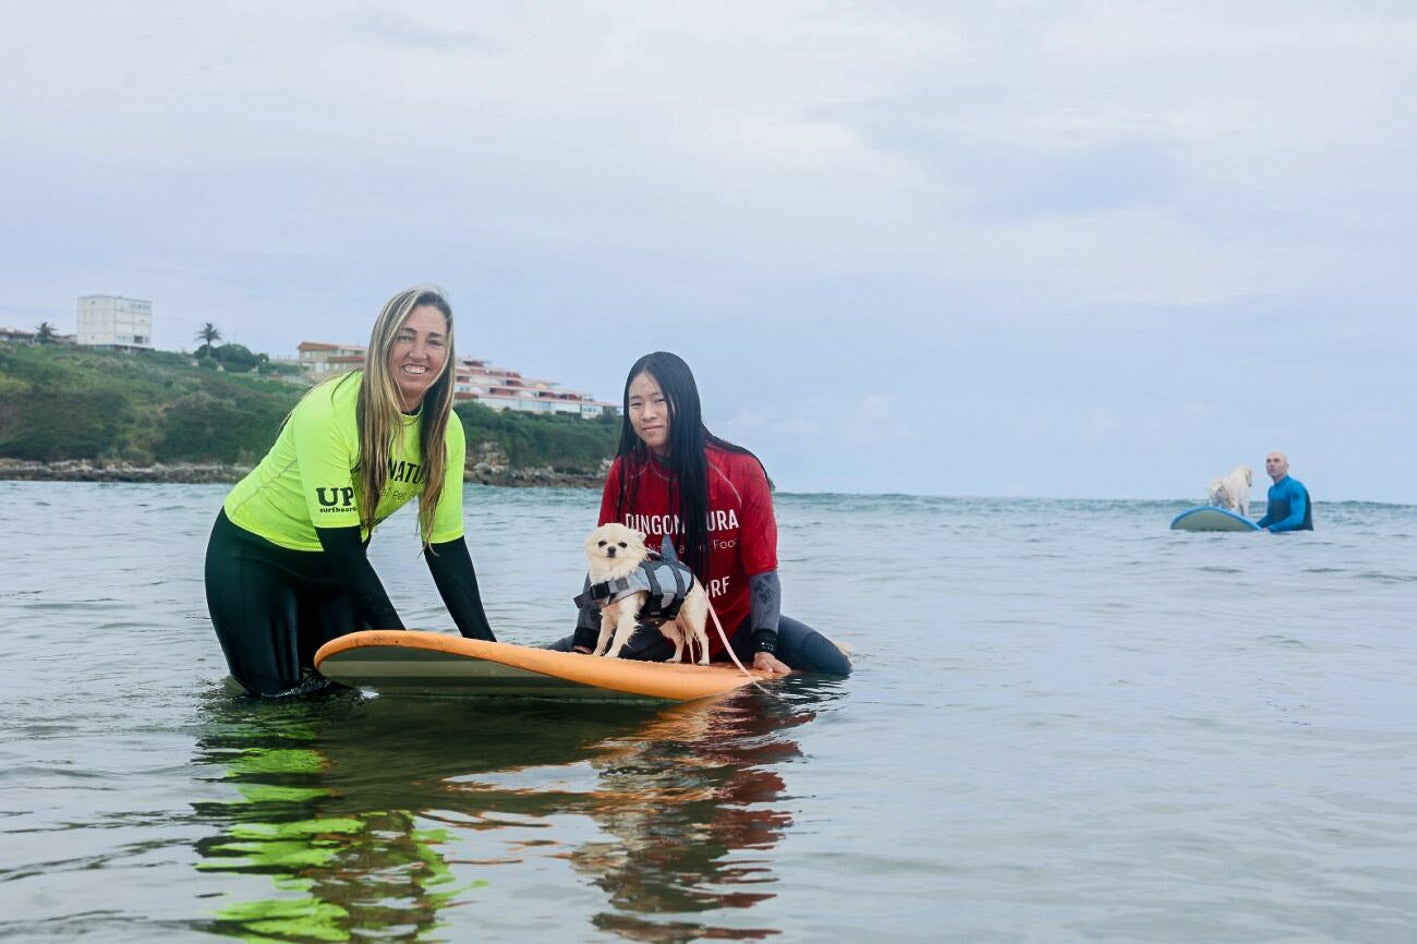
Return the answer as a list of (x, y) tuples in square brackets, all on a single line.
[(1211, 518)]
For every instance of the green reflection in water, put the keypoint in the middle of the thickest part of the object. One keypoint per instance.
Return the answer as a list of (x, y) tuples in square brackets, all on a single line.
[(352, 810), (340, 872)]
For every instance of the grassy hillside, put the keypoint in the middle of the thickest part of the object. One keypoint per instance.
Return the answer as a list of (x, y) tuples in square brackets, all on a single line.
[(563, 443), (59, 402)]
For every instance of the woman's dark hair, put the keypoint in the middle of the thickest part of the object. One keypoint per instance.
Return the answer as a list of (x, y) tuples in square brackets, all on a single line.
[(688, 488)]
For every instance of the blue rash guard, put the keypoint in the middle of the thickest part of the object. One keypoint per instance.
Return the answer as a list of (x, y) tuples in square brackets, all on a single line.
[(1289, 508)]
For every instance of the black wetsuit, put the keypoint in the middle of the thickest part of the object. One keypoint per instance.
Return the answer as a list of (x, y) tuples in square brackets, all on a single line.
[(286, 568), (273, 608)]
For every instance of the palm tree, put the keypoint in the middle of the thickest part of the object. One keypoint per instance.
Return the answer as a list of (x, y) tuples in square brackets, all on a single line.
[(45, 333), (208, 334)]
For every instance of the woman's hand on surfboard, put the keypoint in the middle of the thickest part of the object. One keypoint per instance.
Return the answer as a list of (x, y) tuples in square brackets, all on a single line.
[(767, 662)]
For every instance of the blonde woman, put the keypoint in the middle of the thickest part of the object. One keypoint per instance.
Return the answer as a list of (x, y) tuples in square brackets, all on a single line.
[(286, 568)]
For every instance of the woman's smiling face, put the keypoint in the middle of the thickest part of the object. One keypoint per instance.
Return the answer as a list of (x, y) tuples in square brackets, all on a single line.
[(418, 355)]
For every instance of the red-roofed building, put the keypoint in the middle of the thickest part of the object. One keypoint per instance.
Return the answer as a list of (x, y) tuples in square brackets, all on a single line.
[(502, 389), (473, 379), (322, 360)]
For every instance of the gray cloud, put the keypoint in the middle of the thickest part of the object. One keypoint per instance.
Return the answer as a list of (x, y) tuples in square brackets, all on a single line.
[(387, 26), (1031, 238)]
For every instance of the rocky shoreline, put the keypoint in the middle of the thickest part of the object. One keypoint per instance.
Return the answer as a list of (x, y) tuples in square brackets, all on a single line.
[(81, 470)]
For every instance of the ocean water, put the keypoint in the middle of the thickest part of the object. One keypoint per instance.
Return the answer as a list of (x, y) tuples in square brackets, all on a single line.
[(1067, 723)]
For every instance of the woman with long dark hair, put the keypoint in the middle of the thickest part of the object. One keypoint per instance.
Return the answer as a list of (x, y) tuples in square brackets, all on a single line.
[(712, 499), (286, 567)]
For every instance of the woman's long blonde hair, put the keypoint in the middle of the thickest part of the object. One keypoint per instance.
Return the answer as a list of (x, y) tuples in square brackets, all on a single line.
[(381, 412)]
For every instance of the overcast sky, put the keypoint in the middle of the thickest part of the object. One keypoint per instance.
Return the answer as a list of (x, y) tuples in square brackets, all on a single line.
[(1055, 249)]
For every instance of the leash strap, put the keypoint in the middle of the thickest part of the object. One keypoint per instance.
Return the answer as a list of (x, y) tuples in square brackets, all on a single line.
[(731, 654)]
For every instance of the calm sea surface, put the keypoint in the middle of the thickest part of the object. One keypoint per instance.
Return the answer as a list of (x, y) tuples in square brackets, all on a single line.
[(1067, 723)]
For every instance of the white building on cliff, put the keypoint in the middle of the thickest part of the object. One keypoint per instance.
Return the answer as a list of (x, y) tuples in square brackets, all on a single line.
[(503, 389), (112, 321)]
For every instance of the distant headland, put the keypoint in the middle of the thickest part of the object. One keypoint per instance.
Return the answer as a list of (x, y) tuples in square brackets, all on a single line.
[(69, 413)]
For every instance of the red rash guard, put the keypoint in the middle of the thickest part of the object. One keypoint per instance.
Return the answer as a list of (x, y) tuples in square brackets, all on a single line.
[(742, 531)]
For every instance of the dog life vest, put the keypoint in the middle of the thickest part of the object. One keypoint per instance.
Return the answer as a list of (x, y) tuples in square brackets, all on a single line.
[(665, 581)]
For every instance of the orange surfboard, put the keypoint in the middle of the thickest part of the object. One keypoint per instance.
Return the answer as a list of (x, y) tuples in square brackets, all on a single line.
[(389, 661)]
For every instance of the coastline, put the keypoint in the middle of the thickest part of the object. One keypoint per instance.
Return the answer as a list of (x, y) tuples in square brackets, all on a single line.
[(202, 473)]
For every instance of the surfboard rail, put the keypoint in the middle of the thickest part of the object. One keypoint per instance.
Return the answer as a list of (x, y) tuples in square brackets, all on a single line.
[(417, 661), (1211, 518)]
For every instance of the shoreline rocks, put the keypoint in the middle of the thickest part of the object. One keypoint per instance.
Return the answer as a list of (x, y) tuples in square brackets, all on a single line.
[(485, 473), (82, 470)]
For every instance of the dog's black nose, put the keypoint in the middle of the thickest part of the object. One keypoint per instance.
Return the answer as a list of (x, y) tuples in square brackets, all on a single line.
[(610, 552)]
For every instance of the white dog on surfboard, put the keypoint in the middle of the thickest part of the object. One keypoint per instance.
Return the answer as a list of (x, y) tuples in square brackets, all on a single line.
[(1232, 490)]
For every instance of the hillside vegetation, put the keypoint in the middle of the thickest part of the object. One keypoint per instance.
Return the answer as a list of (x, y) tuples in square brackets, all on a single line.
[(60, 403)]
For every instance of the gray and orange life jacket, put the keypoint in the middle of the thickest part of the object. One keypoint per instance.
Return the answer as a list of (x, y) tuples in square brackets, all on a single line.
[(664, 580)]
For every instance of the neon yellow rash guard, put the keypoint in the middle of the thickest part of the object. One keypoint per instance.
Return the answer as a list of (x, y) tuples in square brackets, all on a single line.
[(307, 479)]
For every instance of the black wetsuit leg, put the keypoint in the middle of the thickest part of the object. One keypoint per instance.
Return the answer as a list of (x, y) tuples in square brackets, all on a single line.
[(647, 644), (563, 644), (271, 607), (798, 645)]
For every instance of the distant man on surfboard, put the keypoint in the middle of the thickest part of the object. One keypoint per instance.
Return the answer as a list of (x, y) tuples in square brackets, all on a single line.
[(1289, 508)]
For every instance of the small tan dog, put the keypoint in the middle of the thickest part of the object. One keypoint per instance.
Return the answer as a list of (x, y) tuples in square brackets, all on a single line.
[(1232, 490), (631, 585)]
